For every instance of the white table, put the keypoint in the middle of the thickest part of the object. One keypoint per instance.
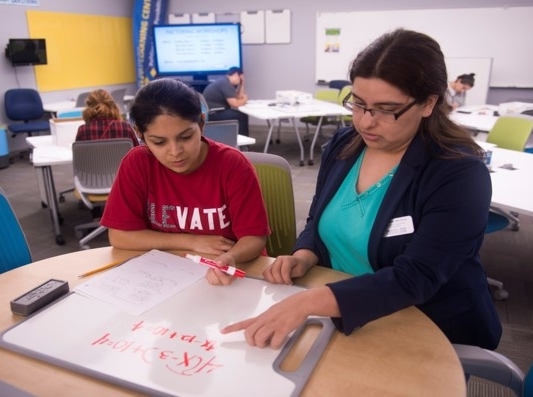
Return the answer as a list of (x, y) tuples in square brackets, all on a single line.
[(268, 110), (45, 154), (512, 190), (473, 121)]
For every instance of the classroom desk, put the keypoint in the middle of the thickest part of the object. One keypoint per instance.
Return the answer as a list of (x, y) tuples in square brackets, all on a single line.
[(403, 354), (475, 122), (512, 189), (46, 154), (264, 110)]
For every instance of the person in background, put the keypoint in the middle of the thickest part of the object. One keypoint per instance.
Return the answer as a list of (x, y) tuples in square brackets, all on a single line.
[(182, 191), (456, 91), (228, 93), (103, 120), (401, 203)]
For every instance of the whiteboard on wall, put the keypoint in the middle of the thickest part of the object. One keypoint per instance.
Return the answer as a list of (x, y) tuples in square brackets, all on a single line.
[(499, 33)]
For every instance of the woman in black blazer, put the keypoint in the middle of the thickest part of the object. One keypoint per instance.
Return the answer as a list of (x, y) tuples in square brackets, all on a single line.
[(401, 202)]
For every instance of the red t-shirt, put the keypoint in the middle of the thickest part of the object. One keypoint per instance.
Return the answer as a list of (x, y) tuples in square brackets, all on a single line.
[(221, 197)]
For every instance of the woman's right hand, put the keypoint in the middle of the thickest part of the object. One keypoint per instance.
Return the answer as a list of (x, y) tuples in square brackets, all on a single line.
[(287, 267)]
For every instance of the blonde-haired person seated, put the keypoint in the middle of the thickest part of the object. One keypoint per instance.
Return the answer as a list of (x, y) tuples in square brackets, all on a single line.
[(103, 119)]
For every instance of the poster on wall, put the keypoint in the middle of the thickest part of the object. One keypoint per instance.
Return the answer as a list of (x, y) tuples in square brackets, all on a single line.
[(332, 40)]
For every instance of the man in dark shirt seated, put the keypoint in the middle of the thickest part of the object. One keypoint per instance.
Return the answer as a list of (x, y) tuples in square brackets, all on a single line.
[(228, 94)]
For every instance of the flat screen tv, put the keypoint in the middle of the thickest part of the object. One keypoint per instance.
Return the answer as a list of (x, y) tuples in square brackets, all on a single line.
[(197, 50), (27, 52)]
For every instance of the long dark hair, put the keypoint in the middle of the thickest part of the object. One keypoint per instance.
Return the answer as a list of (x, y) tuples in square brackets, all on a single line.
[(164, 97), (413, 62)]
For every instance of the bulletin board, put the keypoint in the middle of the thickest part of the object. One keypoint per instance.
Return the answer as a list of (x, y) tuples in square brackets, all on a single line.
[(499, 33), (175, 348), (83, 50)]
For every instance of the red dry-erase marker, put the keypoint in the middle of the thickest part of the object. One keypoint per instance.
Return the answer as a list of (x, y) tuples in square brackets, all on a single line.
[(232, 271)]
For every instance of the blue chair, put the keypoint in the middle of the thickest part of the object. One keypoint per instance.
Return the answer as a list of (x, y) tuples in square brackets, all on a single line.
[(14, 249), (495, 367), (25, 106), (339, 84), (495, 223)]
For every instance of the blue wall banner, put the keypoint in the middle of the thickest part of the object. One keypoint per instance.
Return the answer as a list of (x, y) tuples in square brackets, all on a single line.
[(146, 13)]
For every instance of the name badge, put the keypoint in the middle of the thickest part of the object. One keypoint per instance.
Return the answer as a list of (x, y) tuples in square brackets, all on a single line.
[(400, 226)]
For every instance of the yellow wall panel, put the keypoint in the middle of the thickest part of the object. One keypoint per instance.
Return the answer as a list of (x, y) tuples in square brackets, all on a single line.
[(83, 50)]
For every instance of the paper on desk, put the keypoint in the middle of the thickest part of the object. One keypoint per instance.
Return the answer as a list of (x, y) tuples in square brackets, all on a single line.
[(142, 282)]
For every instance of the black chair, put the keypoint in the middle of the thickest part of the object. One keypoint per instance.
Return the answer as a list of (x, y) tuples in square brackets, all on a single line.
[(25, 106)]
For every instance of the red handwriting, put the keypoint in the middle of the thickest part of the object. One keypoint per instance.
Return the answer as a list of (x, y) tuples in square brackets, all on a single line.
[(163, 331), (178, 362)]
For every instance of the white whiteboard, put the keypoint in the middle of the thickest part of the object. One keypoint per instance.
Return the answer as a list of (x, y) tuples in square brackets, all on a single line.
[(175, 348), (503, 34)]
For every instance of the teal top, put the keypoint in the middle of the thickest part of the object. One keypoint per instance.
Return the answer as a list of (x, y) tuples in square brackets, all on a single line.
[(347, 221)]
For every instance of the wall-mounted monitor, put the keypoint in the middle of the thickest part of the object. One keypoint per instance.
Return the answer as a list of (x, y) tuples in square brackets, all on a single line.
[(197, 50), (27, 52)]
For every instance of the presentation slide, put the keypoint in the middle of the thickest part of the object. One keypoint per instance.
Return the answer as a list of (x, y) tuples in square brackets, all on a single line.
[(186, 49)]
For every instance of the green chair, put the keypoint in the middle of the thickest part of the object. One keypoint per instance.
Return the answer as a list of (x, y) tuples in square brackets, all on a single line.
[(511, 132), (275, 179), (14, 249), (343, 93), (325, 94)]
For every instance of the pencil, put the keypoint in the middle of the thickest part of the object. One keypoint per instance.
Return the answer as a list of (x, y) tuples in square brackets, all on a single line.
[(100, 269)]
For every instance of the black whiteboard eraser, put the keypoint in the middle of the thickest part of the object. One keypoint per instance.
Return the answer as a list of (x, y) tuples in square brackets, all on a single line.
[(39, 297)]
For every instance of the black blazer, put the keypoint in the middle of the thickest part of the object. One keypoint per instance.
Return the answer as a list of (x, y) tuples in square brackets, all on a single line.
[(437, 267)]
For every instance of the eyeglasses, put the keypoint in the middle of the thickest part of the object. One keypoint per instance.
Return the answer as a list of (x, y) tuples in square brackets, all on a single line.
[(383, 116)]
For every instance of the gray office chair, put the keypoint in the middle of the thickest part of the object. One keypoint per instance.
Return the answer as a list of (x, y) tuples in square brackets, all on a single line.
[(118, 97), (495, 367), (95, 166), (222, 131), (80, 100)]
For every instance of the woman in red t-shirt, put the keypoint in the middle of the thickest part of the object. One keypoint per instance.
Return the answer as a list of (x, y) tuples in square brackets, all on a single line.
[(181, 191)]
